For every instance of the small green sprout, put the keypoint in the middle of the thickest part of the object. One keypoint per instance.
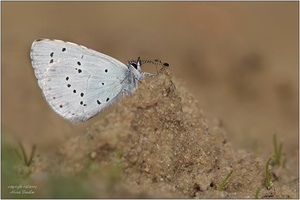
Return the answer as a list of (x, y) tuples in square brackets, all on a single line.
[(224, 181), (278, 151), (257, 192), (26, 161), (269, 183)]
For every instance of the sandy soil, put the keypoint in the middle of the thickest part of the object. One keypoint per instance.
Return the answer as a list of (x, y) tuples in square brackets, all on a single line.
[(239, 67)]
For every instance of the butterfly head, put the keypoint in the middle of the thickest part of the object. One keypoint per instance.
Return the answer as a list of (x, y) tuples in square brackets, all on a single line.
[(135, 67), (135, 64)]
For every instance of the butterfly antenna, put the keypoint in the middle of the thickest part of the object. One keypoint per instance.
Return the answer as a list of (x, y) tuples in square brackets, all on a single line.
[(139, 60), (155, 62)]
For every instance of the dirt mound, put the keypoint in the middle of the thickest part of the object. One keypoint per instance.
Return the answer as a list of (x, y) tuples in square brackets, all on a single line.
[(157, 143)]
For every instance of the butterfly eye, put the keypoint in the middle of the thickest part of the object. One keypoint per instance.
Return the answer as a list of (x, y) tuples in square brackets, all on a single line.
[(134, 65)]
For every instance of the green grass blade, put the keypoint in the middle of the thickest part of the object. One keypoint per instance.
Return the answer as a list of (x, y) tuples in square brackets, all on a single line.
[(257, 192), (268, 181), (31, 155), (23, 153), (224, 182)]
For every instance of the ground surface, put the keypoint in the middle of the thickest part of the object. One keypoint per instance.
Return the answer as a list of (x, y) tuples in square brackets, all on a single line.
[(237, 60)]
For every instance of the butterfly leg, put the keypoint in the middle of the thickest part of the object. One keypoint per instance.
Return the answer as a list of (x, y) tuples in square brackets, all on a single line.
[(148, 74)]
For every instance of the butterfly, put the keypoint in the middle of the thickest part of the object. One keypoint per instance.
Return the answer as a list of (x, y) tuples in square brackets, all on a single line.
[(78, 82)]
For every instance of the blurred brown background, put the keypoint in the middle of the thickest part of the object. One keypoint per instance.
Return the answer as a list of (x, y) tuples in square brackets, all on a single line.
[(239, 59)]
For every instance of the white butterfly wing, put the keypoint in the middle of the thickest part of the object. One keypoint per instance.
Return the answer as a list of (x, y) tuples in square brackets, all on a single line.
[(45, 51), (76, 81)]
